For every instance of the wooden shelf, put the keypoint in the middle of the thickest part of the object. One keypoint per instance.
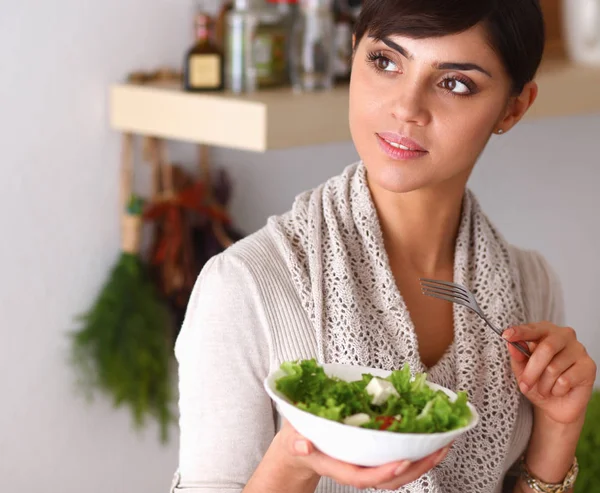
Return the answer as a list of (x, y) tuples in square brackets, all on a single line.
[(258, 122), (281, 119)]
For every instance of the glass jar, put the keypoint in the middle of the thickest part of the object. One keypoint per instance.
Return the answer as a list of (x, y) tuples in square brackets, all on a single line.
[(269, 43), (256, 42), (240, 24), (312, 47)]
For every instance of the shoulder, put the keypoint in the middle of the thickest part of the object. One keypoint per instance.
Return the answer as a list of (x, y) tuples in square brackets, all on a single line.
[(248, 296), (540, 284), (251, 273), (230, 304), (254, 258)]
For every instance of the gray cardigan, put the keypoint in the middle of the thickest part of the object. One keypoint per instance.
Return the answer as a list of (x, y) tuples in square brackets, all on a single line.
[(245, 318)]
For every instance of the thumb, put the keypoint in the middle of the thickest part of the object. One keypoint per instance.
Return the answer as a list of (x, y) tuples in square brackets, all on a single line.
[(518, 335), (529, 333), (296, 443), (302, 447), (518, 361)]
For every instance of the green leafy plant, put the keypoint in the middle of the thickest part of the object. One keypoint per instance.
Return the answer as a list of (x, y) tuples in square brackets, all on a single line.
[(588, 449), (122, 347)]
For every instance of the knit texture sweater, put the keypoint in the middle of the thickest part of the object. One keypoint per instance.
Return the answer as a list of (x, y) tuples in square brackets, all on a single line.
[(253, 308)]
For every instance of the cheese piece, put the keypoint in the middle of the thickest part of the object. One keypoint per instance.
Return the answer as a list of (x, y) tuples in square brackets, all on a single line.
[(357, 419), (380, 390)]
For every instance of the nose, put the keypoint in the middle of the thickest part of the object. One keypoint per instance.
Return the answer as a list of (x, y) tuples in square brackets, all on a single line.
[(410, 104)]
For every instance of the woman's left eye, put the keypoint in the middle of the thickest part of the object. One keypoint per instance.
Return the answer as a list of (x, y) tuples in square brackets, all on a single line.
[(456, 86)]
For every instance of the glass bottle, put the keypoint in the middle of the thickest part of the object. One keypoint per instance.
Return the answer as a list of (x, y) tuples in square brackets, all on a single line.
[(240, 25), (203, 66), (313, 46)]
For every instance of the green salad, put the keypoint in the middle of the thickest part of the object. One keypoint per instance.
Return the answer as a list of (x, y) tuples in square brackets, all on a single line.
[(396, 403)]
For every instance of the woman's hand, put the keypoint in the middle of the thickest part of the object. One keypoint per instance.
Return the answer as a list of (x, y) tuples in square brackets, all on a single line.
[(559, 376), (307, 460)]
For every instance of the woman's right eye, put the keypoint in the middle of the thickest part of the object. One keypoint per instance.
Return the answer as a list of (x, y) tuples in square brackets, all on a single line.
[(386, 64), (382, 63)]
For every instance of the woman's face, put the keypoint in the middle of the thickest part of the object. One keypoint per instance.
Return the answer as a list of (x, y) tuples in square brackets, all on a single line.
[(422, 110)]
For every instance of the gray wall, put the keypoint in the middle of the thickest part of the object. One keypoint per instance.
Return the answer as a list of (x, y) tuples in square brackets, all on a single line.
[(60, 233)]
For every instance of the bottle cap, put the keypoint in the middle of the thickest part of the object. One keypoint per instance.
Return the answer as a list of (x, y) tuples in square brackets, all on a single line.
[(316, 4)]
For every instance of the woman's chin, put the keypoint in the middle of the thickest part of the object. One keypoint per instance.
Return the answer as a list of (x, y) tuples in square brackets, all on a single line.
[(395, 179)]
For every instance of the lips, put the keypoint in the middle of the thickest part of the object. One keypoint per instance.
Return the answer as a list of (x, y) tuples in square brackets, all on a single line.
[(400, 142), (400, 148)]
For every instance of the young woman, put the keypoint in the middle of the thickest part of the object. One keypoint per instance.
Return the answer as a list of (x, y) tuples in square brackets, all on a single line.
[(336, 278)]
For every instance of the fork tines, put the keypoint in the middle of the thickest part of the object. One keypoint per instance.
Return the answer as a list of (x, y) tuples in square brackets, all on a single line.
[(444, 290)]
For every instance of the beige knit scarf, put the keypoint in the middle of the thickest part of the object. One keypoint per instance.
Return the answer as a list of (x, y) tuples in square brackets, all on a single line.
[(333, 246)]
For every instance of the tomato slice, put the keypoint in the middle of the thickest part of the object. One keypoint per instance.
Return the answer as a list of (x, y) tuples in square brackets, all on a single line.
[(386, 421)]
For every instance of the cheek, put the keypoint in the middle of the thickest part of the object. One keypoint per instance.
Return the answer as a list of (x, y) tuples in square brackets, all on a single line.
[(367, 104), (463, 130)]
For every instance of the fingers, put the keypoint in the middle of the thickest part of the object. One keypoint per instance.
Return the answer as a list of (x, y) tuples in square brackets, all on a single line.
[(582, 373), (356, 476), (342, 472), (549, 344), (559, 364), (416, 470), (540, 359), (388, 476)]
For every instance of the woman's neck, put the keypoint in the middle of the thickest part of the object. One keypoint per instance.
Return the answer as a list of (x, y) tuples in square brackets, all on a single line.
[(420, 227)]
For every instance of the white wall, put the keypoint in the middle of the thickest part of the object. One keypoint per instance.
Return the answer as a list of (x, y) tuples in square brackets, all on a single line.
[(58, 198), (60, 235)]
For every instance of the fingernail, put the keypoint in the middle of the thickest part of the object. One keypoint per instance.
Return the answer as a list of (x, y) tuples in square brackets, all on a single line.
[(508, 333), (301, 447), (402, 467), (524, 387), (441, 455)]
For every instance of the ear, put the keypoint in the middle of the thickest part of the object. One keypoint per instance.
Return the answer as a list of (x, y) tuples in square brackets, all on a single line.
[(353, 41), (518, 106)]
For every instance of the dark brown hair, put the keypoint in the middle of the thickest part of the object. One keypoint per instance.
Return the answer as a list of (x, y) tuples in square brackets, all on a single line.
[(515, 27)]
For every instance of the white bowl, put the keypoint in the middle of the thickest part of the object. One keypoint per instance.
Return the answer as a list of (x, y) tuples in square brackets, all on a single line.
[(362, 446)]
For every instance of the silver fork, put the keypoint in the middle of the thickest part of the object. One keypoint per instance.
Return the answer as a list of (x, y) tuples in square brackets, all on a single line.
[(455, 293)]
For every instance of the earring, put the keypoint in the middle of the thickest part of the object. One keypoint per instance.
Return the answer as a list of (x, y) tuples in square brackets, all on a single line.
[(500, 131)]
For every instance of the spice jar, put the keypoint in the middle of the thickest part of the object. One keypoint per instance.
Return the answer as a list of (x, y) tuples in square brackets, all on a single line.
[(313, 45)]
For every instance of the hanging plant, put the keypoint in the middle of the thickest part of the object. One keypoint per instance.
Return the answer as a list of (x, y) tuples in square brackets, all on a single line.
[(190, 224), (588, 448), (122, 347)]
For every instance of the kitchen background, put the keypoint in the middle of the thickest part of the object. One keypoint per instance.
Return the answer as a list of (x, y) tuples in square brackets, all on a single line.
[(60, 235)]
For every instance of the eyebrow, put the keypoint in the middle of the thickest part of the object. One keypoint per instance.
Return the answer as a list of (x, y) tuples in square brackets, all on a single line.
[(396, 47), (440, 66), (461, 66)]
